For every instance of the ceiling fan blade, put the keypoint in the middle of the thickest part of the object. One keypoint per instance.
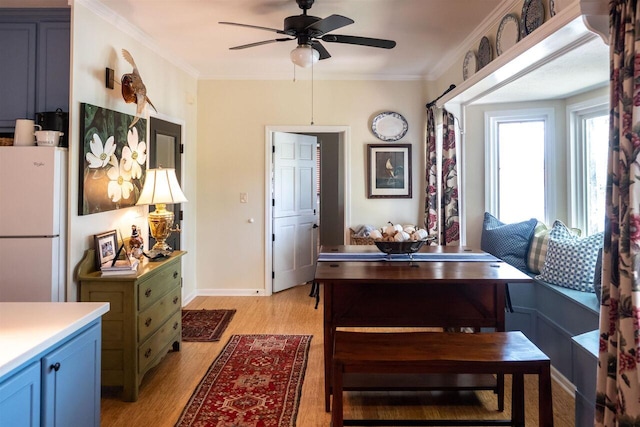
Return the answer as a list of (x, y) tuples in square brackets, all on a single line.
[(362, 41), (330, 23), (324, 53), (252, 26), (244, 46)]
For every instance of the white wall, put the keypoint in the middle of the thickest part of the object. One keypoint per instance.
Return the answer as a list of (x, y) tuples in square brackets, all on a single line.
[(232, 116), (96, 44)]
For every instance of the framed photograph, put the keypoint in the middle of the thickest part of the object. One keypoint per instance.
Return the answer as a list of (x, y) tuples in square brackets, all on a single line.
[(389, 171), (106, 245)]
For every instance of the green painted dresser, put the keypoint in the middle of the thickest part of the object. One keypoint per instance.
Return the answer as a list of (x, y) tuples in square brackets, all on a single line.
[(144, 322)]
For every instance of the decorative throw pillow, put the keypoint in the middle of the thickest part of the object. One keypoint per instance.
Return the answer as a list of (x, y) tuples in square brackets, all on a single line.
[(540, 241), (509, 242), (571, 261)]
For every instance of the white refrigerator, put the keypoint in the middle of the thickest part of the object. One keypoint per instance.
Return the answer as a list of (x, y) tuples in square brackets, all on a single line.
[(33, 218)]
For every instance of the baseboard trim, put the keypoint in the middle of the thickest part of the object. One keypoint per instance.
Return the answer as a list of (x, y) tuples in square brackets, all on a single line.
[(563, 382), (230, 292)]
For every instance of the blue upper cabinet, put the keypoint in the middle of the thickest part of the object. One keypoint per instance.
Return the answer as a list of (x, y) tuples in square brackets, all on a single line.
[(36, 77), (17, 73)]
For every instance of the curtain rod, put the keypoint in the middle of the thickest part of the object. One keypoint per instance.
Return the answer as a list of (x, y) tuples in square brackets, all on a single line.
[(432, 103)]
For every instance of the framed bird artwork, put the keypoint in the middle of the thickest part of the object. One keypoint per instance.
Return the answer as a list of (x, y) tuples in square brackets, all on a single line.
[(133, 89)]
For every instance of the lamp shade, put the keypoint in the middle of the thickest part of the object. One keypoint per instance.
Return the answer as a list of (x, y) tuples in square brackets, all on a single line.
[(161, 187), (304, 55)]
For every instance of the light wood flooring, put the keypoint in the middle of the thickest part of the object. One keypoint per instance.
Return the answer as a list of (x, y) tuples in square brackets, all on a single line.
[(166, 389)]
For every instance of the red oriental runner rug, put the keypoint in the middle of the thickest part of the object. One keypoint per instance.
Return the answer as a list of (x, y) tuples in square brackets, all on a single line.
[(205, 325), (256, 381)]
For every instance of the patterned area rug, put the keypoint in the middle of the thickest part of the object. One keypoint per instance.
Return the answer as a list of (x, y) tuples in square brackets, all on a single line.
[(256, 381), (205, 325)]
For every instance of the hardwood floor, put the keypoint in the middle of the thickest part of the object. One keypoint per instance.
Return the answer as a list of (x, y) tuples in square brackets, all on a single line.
[(166, 389)]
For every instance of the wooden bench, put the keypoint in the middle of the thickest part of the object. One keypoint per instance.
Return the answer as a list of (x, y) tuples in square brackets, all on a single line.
[(509, 353)]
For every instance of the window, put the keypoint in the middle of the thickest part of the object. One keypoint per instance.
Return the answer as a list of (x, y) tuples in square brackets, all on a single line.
[(589, 137), (517, 164)]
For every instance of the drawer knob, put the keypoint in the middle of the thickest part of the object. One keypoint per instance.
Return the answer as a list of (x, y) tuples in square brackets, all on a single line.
[(147, 353), (55, 367), (175, 326), (175, 300), (147, 322), (147, 293), (175, 274)]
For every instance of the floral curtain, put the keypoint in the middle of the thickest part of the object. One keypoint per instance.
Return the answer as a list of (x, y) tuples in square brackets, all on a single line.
[(618, 383), (441, 199)]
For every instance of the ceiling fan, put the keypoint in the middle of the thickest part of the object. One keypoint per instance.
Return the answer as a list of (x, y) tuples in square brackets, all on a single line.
[(309, 31)]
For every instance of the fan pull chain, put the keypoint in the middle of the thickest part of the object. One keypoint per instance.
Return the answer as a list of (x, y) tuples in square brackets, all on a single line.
[(312, 93)]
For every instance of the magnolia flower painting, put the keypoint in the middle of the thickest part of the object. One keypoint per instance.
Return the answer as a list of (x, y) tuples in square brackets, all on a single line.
[(114, 158)]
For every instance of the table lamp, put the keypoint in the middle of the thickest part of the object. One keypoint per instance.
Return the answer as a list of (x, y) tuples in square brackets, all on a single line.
[(161, 188)]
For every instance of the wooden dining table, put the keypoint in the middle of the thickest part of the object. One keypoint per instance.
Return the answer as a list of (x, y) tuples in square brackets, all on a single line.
[(438, 286)]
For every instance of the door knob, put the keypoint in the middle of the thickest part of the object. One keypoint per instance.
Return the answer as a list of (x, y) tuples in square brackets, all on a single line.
[(315, 225)]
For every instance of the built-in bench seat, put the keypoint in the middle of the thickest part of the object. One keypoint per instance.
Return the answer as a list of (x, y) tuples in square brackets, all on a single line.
[(564, 324)]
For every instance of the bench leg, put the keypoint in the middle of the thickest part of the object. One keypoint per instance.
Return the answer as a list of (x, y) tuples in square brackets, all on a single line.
[(545, 399), (336, 407), (500, 391), (517, 400)]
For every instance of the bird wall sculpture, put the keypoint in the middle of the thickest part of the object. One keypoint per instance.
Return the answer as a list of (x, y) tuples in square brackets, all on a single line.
[(133, 89)]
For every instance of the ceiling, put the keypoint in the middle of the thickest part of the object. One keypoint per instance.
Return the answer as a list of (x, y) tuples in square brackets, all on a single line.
[(431, 36), (428, 34)]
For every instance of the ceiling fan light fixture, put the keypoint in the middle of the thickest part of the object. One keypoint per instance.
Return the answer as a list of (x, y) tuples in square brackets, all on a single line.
[(304, 55)]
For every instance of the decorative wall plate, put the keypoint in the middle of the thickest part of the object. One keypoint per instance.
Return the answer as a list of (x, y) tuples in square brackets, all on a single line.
[(485, 52), (470, 65), (508, 33), (389, 126), (532, 16)]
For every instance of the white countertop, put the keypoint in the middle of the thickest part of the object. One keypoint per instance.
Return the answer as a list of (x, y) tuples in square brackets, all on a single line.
[(29, 328)]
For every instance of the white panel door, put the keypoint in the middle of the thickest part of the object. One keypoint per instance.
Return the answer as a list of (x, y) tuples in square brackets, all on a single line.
[(294, 210)]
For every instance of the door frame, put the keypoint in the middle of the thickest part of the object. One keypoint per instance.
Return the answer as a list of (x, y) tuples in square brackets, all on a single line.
[(344, 133)]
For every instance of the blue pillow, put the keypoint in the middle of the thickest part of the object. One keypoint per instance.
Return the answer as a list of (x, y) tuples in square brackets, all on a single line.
[(509, 242)]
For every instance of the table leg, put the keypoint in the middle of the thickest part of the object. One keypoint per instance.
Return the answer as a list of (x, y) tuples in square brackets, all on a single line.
[(545, 399), (329, 330), (517, 400)]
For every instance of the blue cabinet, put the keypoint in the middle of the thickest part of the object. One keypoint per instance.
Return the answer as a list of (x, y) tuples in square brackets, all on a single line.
[(59, 388), (20, 398), (71, 382), (17, 75), (36, 78)]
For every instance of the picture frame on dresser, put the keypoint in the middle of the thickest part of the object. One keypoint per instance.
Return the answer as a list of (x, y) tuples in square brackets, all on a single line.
[(106, 246), (389, 171)]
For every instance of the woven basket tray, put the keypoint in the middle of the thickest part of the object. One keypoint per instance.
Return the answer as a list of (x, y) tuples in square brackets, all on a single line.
[(4, 142), (361, 240)]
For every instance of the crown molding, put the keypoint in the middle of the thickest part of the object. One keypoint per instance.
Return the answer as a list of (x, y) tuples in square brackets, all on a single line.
[(122, 24)]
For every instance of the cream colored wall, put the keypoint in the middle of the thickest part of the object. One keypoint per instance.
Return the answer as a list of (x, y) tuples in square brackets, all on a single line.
[(96, 44), (232, 116)]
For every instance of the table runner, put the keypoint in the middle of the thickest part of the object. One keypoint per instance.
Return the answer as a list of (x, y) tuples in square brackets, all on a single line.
[(379, 256)]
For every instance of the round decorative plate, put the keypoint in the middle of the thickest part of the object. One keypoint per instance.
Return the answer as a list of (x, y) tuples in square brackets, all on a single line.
[(485, 52), (532, 16), (389, 126), (508, 33), (470, 65)]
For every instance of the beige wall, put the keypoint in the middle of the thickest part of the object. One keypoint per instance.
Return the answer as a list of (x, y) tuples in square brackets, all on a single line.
[(232, 116), (96, 44)]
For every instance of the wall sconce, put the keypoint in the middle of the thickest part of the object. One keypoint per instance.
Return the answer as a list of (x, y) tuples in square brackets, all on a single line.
[(161, 188)]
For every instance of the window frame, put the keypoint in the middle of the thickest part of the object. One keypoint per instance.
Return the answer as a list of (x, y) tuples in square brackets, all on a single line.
[(577, 158), (492, 119)]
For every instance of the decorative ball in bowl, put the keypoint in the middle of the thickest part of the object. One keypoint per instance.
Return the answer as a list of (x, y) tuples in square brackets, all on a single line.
[(406, 247)]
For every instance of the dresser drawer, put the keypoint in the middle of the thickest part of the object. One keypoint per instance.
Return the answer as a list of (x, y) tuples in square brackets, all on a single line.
[(152, 289), (150, 319), (151, 348)]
